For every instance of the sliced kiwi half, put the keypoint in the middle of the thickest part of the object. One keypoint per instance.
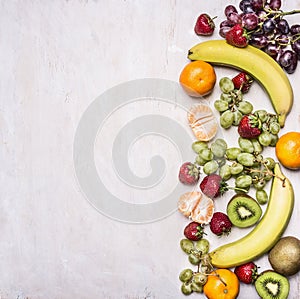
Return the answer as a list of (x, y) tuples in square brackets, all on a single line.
[(271, 285), (243, 210)]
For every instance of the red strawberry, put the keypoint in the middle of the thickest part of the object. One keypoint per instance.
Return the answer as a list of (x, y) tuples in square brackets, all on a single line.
[(246, 273), (213, 185), (249, 126), (194, 231), (204, 25), (237, 36), (242, 81), (220, 224), (189, 173)]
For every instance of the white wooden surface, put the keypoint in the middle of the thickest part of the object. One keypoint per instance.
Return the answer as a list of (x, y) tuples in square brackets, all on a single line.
[(56, 57)]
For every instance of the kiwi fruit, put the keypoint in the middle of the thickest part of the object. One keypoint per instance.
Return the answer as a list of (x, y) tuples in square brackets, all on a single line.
[(272, 285), (243, 210), (284, 257)]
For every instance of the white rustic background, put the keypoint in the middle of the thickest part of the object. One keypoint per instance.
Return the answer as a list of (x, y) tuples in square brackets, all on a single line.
[(56, 57)]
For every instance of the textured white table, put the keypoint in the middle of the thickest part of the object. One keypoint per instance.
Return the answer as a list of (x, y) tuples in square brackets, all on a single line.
[(56, 58)]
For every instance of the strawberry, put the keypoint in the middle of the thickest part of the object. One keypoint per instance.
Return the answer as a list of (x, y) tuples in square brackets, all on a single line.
[(189, 173), (249, 126), (246, 273), (194, 231), (213, 185), (242, 81), (204, 25), (237, 36), (220, 224)]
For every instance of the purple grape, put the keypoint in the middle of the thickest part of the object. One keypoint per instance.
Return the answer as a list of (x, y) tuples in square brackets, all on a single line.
[(223, 31), (234, 18), (295, 29), (282, 40), (250, 21), (259, 41), (296, 47), (285, 58), (288, 60), (275, 4), (272, 49), (244, 3), (269, 25), (229, 9), (262, 15), (257, 4), (283, 26), (225, 23)]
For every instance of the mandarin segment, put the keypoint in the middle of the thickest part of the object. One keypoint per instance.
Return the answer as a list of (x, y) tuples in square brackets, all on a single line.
[(202, 122)]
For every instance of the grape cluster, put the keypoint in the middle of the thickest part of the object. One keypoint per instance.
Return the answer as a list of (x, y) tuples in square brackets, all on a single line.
[(232, 107), (231, 104), (198, 256), (267, 29), (244, 163)]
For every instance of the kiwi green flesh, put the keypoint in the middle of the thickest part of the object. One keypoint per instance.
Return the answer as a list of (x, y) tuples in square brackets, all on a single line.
[(271, 285), (243, 211)]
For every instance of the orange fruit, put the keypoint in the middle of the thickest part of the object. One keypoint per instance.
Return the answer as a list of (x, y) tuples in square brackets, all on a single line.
[(198, 78), (202, 122), (288, 150), (222, 284), (196, 206)]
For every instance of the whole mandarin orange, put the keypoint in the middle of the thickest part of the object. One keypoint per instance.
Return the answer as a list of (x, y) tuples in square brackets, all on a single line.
[(198, 78), (288, 150)]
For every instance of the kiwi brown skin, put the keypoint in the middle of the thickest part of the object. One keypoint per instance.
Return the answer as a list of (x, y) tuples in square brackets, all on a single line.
[(284, 257)]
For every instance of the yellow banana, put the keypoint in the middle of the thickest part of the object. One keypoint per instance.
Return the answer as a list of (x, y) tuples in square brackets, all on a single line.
[(267, 232), (255, 62)]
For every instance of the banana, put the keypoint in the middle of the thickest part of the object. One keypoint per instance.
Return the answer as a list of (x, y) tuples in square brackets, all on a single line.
[(267, 232), (257, 63)]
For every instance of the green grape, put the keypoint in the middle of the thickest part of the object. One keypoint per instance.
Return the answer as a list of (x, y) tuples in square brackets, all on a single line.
[(270, 163), (274, 128), (218, 150), (226, 97), (197, 287), (246, 159), (206, 154), (232, 153), (245, 107), (199, 145), (200, 161), (221, 142), (237, 116), (257, 146), (236, 168), (221, 105), (246, 145), (225, 172), (226, 119), (210, 167), (194, 259), (200, 278), (268, 176), (186, 245), (186, 275), (202, 246), (186, 288), (265, 138), (262, 115), (243, 181), (260, 184), (261, 196), (274, 139), (226, 85)]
